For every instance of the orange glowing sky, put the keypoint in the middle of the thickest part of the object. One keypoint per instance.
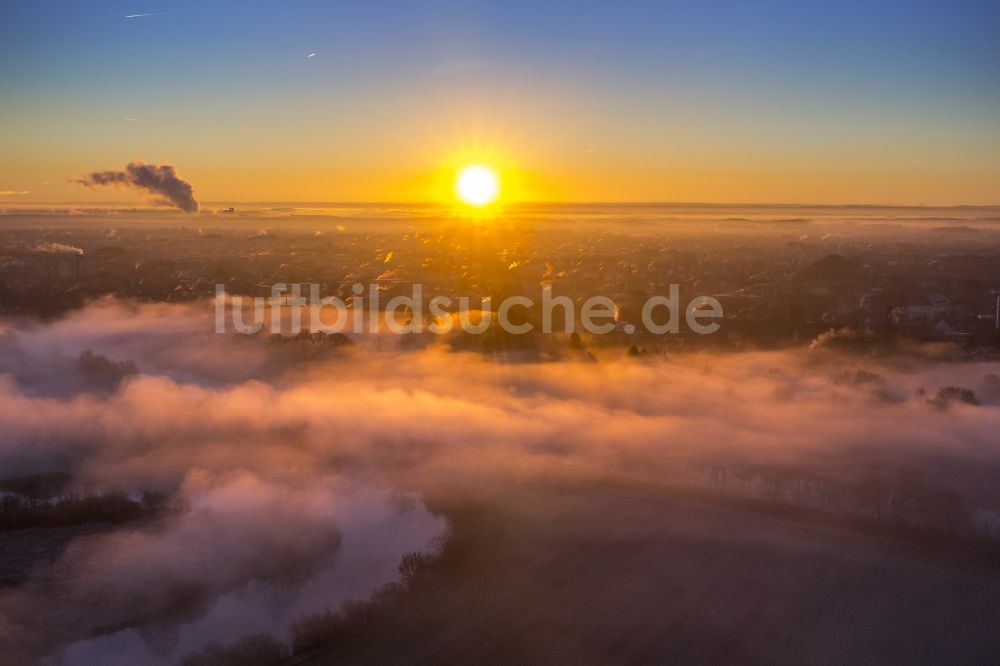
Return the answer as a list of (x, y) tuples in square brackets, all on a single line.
[(662, 101)]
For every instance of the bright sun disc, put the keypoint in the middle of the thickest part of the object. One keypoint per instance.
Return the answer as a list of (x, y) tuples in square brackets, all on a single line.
[(477, 185)]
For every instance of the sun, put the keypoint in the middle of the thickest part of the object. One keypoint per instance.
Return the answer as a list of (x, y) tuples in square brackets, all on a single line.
[(477, 185)]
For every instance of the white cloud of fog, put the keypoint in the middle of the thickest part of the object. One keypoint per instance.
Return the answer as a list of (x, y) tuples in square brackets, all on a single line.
[(272, 457), (248, 556)]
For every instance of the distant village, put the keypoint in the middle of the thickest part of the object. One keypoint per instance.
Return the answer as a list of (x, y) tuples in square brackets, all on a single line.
[(781, 283)]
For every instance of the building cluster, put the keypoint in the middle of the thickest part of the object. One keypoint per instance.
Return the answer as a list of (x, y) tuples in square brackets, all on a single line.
[(777, 285)]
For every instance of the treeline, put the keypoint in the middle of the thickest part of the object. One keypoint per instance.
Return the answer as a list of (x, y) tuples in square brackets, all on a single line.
[(19, 512), (896, 497), (316, 632), (308, 345)]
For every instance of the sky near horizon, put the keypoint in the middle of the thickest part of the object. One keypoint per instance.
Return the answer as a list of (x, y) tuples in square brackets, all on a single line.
[(719, 101)]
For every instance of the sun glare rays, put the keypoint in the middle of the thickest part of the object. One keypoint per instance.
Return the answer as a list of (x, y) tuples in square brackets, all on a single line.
[(477, 185)]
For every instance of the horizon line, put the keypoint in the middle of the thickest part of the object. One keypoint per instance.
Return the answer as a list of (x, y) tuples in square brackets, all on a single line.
[(431, 204)]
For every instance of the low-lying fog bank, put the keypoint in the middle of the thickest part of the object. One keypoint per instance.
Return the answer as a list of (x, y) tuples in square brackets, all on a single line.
[(270, 481)]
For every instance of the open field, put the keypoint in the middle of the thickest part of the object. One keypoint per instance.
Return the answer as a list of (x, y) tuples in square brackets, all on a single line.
[(642, 576)]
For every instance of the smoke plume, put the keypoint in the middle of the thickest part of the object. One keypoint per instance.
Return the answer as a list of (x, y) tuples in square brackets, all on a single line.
[(159, 179)]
